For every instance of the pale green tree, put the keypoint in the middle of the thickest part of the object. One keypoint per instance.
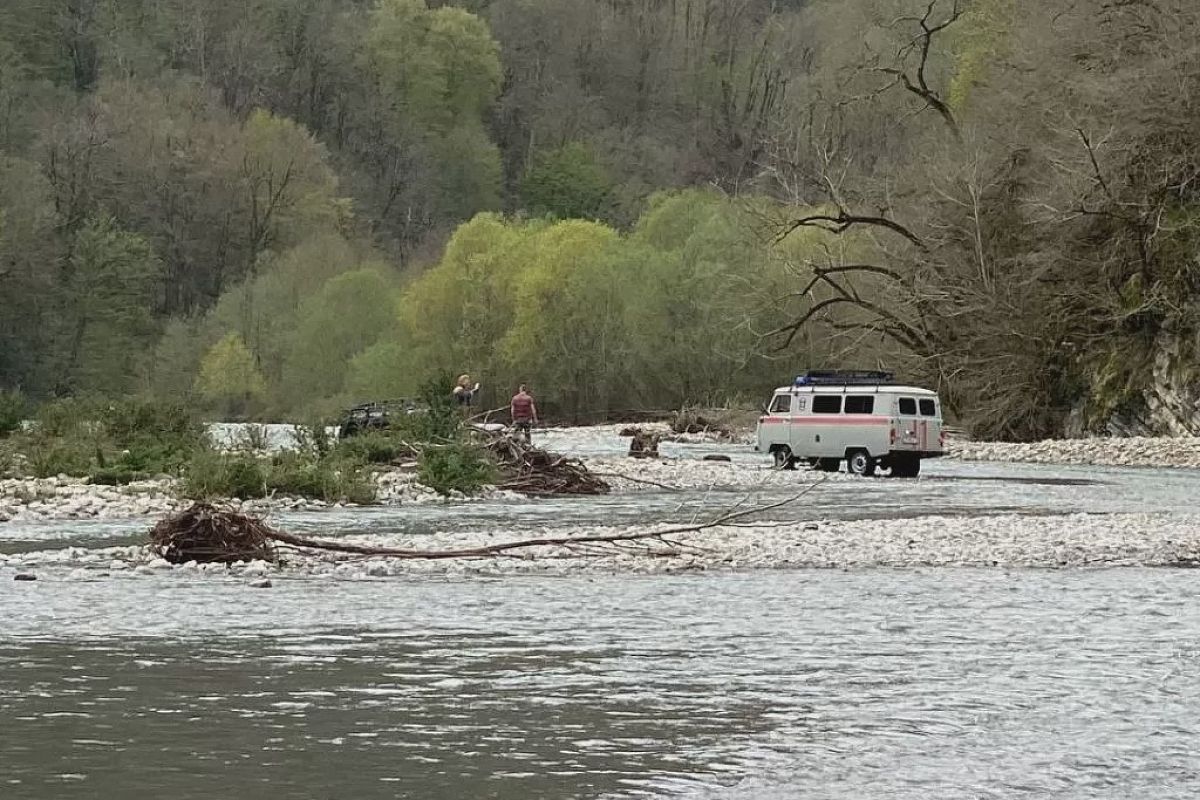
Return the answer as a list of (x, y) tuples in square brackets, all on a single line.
[(348, 315), (229, 379)]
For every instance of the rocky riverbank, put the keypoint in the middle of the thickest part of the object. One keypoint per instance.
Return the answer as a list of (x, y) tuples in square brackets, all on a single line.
[(1008, 541), (65, 498), (1162, 452)]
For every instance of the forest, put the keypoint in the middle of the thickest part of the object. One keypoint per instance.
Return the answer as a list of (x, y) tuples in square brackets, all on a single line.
[(269, 209)]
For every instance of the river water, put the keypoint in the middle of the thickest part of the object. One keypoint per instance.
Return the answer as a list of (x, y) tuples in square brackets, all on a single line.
[(947, 683)]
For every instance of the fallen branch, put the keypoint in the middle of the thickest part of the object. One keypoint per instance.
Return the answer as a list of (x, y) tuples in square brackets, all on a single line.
[(646, 481), (202, 532)]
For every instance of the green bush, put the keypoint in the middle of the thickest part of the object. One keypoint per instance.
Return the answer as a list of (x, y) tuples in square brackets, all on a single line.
[(457, 467), (47, 458), (314, 439), (159, 436), (117, 475), (70, 417), (375, 447), (328, 480), (13, 408), (214, 475), (12, 464)]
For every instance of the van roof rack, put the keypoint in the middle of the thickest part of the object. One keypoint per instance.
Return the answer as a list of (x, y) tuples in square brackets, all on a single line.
[(843, 377)]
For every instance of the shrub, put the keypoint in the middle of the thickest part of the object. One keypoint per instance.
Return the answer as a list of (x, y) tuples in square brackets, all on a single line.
[(13, 408), (326, 479), (117, 475), (211, 475), (314, 439), (69, 417), (13, 464), (375, 447), (457, 467), (251, 440), (47, 458), (161, 436)]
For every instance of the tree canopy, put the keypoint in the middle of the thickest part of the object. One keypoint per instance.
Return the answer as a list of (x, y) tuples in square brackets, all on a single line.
[(623, 203)]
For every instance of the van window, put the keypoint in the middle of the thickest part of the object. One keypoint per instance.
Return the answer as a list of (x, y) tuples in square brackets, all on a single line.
[(928, 408), (908, 406), (782, 404), (827, 404), (860, 404)]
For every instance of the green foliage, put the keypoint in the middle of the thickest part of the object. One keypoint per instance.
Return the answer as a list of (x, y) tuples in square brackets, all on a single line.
[(340, 480), (70, 417), (133, 422), (110, 442), (314, 438), (229, 378), (108, 293), (980, 39), (593, 320), (48, 458), (568, 183), (212, 475), (345, 317), (13, 409), (375, 447), (457, 467)]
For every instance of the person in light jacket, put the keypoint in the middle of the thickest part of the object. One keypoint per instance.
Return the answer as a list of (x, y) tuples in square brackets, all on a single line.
[(464, 392)]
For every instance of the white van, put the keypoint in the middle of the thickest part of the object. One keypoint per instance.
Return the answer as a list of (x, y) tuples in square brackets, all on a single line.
[(864, 418)]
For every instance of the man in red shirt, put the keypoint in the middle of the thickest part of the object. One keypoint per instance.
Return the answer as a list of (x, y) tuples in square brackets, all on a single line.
[(524, 413)]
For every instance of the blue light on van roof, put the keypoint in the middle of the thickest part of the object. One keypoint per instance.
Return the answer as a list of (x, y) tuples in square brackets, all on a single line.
[(837, 377)]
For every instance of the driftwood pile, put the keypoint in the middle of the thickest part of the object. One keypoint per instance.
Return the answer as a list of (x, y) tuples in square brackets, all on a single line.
[(644, 444), (207, 535), (529, 470)]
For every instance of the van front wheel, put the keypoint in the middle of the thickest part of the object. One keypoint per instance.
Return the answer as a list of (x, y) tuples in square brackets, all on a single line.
[(860, 462), (783, 458)]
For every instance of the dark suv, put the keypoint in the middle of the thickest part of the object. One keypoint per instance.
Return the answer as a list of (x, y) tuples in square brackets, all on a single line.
[(373, 416)]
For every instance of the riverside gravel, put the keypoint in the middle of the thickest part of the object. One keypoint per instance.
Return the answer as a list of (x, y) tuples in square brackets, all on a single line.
[(996, 541), (1177, 453)]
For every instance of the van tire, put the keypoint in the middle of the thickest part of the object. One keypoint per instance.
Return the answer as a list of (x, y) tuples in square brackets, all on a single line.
[(784, 458), (860, 462), (906, 467), (829, 464)]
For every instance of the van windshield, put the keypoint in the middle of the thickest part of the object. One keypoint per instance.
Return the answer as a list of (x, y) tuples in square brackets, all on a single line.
[(782, 404)]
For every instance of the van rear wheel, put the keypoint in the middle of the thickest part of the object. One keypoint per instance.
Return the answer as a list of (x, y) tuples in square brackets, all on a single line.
[(860, 462), (906, 467)]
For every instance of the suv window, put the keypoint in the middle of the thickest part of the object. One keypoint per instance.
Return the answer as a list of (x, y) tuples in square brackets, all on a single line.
[(928, 408), (860, 404), (782, 404), (908, 406), (827, 404)]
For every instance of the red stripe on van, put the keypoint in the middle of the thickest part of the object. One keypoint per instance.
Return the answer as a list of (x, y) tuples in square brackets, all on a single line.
[(843, 419)]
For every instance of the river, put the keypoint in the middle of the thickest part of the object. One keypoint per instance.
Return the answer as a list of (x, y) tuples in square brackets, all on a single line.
[(947, 683)]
